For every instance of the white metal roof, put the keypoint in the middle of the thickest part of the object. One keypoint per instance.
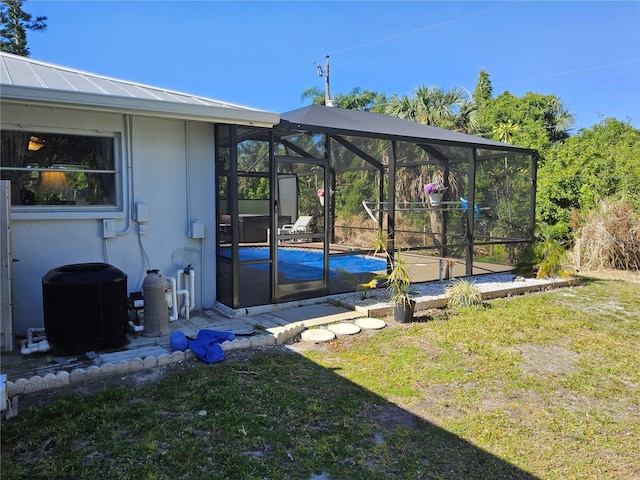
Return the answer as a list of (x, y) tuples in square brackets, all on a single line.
[(25, 79)]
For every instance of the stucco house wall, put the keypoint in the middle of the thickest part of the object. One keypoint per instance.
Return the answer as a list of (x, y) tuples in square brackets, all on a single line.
[(167, 164)]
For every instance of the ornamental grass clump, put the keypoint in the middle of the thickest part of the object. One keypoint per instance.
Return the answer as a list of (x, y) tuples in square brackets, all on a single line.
[(610, 238), (463, 293)]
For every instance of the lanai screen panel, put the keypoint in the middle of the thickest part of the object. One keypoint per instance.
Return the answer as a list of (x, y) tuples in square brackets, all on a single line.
[(350, 153), (504, 193)]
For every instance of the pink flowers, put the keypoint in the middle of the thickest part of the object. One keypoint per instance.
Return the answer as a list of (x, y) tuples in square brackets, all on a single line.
[(434, 188), (320, 192)]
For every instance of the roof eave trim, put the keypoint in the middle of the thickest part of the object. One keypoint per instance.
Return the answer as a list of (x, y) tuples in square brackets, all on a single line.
[(163, 109)]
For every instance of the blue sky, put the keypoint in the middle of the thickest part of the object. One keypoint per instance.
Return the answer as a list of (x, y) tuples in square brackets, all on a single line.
[(262, 54)]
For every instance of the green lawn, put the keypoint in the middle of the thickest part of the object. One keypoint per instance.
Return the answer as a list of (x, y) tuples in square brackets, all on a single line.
[(540, 386)]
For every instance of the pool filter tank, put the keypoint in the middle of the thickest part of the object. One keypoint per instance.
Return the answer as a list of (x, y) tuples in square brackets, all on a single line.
[(156, 312)]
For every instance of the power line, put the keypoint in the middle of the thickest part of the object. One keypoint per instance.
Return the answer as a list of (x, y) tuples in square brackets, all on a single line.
[(475, 14), (429, 27), (567, 72)]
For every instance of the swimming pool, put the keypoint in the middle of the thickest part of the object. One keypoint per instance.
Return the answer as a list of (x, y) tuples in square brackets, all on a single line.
[(307, 264)]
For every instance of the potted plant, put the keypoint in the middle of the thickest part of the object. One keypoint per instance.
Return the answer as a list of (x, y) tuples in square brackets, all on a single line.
[(434, 191), (399, 284)]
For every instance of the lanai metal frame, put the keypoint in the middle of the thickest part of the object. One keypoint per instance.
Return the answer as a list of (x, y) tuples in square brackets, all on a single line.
[(341, 128)]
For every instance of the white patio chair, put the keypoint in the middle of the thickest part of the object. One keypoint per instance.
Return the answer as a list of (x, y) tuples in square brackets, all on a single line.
[(301, 226)]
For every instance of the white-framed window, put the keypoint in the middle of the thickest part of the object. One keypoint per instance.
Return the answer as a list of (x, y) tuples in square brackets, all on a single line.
[(60, 172)]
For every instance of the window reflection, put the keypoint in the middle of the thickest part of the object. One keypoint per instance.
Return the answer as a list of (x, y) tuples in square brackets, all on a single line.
[(59, 169)]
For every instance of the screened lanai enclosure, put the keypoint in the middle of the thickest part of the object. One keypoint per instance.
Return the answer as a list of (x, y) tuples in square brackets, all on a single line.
[(302, 206)]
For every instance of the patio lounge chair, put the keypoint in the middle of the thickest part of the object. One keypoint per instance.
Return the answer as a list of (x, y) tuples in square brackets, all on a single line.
[(301, 226)]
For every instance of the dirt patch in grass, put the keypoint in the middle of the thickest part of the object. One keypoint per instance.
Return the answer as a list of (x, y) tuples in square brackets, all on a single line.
[(547, 359)]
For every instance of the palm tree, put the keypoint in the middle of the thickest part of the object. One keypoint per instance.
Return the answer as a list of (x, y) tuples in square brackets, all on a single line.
[(356, 99), (315, 94), (452, 109), (402, 107), (558, 120)]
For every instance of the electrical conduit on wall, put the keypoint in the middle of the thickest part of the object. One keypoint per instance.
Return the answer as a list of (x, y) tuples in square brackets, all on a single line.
[(187, 155)]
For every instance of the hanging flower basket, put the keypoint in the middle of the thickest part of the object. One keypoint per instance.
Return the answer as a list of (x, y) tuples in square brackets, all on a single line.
[(434, 191), (435, 199)]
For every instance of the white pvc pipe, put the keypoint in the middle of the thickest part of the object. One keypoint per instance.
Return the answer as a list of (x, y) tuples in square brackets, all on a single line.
[(31, 339), (136, 328), (189, 287), (175, 291), (173, 304), (42, 346), (187, 307), (179, 275), (34, 343), (192, 288)]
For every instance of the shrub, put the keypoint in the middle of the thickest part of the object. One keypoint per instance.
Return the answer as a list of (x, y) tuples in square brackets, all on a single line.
[(550, 252)]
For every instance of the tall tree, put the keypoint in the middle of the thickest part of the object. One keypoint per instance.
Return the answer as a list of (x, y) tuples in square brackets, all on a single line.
[(537, 121), (14, 23), (484, 90), (314, 94)]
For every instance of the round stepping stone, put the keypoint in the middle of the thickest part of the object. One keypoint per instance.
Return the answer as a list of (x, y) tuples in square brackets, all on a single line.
[(317, 335), (370, 323), (344, 328)]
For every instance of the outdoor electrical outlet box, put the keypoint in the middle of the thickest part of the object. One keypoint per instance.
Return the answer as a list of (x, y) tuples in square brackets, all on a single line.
[(108, 228), (197, 229), (142, 212)]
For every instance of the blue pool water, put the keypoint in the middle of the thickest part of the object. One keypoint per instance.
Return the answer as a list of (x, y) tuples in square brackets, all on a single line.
[(306, 264)]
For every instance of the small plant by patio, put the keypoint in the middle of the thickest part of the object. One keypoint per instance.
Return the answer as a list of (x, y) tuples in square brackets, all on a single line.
[(463, 293), (364, 288), (399, 284)]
